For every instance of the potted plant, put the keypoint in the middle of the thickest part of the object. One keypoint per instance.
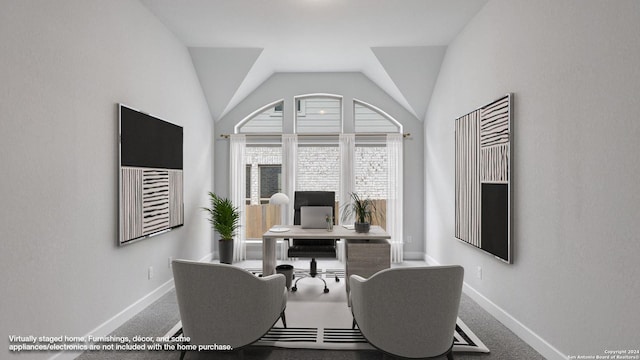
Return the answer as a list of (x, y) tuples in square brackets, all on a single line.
[(364, 211), (224, 218)]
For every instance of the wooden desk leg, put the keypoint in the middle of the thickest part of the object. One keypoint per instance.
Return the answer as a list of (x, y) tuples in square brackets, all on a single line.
[(268, 256)]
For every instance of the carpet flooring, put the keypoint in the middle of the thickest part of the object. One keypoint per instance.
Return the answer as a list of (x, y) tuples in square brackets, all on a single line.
[(161, 316), (328, 326)]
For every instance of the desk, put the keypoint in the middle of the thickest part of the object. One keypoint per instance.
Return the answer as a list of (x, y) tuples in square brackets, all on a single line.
[(298, 233)]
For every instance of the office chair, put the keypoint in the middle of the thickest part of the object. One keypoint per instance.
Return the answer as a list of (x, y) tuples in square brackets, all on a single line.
[(320, 248)]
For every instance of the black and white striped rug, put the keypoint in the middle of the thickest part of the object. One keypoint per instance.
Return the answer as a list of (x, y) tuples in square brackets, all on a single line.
[(343, 338), (351, 339), (317, 320)]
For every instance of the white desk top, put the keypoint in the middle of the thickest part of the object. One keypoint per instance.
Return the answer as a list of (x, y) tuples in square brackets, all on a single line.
[(339, 232)]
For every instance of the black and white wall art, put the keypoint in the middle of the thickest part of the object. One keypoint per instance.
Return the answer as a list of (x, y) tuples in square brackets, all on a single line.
[(483, 165), (151, 179)]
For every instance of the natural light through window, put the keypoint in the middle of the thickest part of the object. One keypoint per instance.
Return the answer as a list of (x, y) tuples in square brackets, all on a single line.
[(264, 121), (322, 114), (368, 119)]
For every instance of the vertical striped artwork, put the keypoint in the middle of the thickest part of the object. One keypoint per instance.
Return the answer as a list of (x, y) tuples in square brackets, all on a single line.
[(467, 179), (176, 210), (482, 178), (151, 201), (131, 203)]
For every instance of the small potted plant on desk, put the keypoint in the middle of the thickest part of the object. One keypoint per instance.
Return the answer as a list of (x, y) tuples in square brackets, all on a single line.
[(364, 211), (224, 218)]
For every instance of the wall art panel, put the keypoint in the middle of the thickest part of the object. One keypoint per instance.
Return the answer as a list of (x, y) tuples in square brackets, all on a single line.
[(483, 178), (151, 175)]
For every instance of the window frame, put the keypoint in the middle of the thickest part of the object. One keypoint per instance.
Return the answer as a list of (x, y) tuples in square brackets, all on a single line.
[(305, 97)]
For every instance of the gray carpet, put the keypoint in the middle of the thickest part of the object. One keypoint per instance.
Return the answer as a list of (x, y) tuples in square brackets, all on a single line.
[(161, 316)]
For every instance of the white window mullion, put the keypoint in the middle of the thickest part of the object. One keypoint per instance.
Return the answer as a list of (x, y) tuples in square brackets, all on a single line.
[(395, 196)]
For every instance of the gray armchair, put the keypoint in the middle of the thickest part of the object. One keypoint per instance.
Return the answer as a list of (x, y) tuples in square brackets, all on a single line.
[(409, 312), (226, 305)]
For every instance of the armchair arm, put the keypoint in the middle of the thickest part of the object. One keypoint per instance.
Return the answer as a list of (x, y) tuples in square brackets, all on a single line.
[(352, 279), (270, 278), (356, 296), (275, 294), (262, 303), (370, 303)]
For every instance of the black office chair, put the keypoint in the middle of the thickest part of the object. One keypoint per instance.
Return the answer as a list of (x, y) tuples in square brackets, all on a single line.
[(320, 248)]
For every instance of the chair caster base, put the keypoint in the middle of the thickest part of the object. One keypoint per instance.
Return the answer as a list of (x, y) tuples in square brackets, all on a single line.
[(326, 290), (295, 288)]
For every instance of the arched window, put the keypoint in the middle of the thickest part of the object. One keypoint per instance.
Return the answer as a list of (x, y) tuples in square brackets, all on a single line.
[(322, 114), (370, 119), (318, 153), (265, 120)]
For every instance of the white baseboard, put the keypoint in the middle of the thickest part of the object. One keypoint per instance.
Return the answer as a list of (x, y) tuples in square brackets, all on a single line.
[(120, 318), (254, 253), (207, 257), (125, 315), (527, 335), (430, 260), (413, 255)]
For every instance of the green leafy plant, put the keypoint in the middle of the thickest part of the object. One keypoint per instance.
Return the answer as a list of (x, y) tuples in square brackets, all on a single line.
[(223, 216), (364, 210)]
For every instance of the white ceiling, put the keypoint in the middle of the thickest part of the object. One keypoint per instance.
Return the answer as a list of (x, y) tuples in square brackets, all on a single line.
[(318, 36)]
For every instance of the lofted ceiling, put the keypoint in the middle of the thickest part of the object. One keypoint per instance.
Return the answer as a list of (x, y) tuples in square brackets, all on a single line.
[(237, 44)]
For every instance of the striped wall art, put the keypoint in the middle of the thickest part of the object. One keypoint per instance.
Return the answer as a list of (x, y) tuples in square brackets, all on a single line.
[(151, 175), (152, 201), (483, 165)]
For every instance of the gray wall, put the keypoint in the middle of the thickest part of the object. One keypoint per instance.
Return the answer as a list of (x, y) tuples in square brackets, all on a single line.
[(349, 85), (64, 66), (573, 66)]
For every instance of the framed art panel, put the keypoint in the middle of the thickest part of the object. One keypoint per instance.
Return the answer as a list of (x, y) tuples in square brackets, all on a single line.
[(483, 165), (151, 175)]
